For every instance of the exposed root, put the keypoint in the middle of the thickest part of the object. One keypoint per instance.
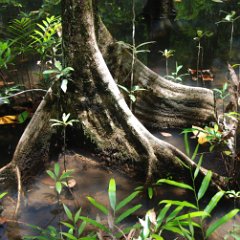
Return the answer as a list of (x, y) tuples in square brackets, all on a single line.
[(18, 175)]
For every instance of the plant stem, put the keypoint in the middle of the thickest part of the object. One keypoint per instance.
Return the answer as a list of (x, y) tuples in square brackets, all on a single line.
[(133, 50), (167, 67), (197, 203), (198, 59), (64, 148), (231, 40)]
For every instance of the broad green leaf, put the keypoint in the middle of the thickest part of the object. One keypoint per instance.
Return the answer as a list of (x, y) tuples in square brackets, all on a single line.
[(132, 97), (66, 174), (127, 213), (214, 201), (81, 228), (64, 85), (69, 236), (221, 221), (98, 205), (95, 223), (112, 193), (150, 192), (22, 117), (126, 200), (204, 185), (77, 215), (56, 169), (174, 183), (68, 212), (51, 174), (123, 88), (58, 186), (198, 166), (179, 203)]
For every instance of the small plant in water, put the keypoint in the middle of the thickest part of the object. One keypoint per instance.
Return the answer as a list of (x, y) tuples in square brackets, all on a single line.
[(132, 93), (198, 38), (63, 123), (222, 94), (60, 73), (230, 18), (175, 76), (172, 217), (167, 54), (59, 179), (114, 214)]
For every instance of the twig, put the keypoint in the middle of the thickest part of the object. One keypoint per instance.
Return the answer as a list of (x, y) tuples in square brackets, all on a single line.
[(25, 91)]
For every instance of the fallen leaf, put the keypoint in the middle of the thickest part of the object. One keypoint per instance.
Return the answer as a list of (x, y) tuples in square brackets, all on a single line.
[(166, 134)]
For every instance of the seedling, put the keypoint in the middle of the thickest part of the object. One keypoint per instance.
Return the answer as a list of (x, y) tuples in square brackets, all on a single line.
[(63, 123), (230, 18), (60, 73), (167, 54)]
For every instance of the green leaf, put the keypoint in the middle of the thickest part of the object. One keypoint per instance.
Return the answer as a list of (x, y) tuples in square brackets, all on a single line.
[(198, 167), (3, 194), (81, 228), (174, 213), (58, 65), (214, 201), (66, 174), (68, 212), (98, 205), (179, 203), (132, 97), (195, 152), (70, 226), (58, 187), (64, 85), (150, 192), (69, 236), (95, 223), (123, 88), (22, 117), (126, 200), (51, 174), (221, 221), (174, 183), (192, 215), (157, 237), (127, 213), (162, 215), (112, 193), (186, 144), (56, 169), (76, 216), (204, 185)]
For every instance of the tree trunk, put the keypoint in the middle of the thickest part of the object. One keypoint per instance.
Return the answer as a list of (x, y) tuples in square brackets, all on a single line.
[(104, 116)]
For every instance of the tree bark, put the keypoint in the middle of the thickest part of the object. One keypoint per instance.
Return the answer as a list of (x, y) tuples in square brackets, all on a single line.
[(104, 116)]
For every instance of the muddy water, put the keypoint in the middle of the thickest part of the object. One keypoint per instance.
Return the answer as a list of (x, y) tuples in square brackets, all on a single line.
[(39, 206)]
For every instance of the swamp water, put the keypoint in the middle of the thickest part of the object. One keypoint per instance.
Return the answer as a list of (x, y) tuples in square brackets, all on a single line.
[(39, 204)]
